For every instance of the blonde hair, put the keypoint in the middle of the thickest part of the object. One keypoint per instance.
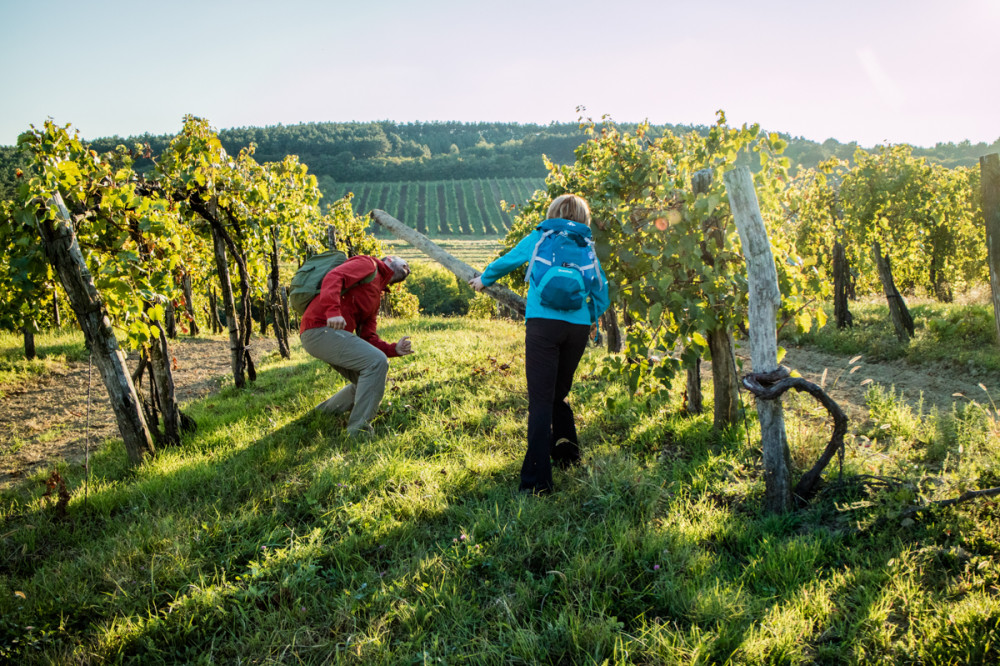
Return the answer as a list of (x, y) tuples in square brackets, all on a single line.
[(569, 207)]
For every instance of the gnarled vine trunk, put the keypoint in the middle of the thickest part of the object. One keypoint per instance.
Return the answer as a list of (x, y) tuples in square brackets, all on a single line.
[(166, 399), (841, 278), (613, 333), (274, 300), (189, 303), (725, 381), (63, 253), (229, 307)]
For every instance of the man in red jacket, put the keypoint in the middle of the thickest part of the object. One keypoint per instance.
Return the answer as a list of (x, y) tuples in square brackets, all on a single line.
[(348, 303)]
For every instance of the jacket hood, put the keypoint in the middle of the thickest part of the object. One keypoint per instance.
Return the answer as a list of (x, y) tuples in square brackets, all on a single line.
[(559, 224)]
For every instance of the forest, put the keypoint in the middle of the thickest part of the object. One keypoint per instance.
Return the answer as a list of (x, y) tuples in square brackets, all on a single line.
[(388, 151)]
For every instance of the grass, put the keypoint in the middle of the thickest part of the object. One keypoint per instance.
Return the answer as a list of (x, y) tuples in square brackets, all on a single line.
[(959, 334), (53, 350), (269, 537)]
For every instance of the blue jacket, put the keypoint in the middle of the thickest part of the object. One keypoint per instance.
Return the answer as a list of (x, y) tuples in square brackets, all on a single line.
[(519, 255)]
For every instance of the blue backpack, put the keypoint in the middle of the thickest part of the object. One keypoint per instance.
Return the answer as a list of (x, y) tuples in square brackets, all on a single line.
[(563, 267)]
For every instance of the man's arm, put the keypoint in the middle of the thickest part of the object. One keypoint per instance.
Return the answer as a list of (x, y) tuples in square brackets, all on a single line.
[(367, 331)]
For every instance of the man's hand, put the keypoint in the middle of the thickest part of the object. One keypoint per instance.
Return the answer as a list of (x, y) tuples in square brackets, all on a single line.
[(477, 283), (403, 346), (336, 323)]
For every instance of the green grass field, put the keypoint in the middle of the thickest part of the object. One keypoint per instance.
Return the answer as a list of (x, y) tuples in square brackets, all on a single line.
[(270, 537)]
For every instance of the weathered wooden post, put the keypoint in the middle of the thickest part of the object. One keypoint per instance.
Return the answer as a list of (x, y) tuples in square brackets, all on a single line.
[(989, 166), (461, 269), (29, 341), (902, 320), (63, 253), (765, 299)]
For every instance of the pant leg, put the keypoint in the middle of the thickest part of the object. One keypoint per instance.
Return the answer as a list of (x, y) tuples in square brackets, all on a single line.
[(341, 401), (541, 365), (364, 365), (571, 350)]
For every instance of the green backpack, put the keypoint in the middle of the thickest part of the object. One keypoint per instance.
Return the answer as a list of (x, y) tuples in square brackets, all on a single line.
[(307, 280)]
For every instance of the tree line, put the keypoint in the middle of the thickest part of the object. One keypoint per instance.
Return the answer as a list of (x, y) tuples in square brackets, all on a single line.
[(387, 151)]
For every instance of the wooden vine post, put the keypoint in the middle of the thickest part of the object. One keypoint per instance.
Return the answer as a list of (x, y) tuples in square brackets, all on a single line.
[(902, 320), (989, 166), (462, 270), (63, 253), (764, 301)]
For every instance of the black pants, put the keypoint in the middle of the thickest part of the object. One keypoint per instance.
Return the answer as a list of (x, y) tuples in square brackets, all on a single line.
[(552, 350)]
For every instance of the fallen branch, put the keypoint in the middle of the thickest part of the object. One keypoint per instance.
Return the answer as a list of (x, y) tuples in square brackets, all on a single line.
[(964, 497)]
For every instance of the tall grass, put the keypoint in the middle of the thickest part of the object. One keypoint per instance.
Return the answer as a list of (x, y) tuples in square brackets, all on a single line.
[(270, 537)]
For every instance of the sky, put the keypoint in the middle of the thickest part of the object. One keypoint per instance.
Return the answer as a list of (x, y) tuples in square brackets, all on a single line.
[(876, 71)]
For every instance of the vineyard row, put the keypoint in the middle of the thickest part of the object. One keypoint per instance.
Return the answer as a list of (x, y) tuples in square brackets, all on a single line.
[(444, 208)]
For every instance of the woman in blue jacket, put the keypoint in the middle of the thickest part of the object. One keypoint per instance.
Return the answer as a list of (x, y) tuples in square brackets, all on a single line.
[(567, 292)]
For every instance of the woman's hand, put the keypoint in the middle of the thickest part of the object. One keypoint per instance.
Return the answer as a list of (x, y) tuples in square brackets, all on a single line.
[(477, 283), (337, 323)]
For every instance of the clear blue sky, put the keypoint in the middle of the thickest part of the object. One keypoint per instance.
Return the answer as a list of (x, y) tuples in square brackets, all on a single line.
[(871, 71)]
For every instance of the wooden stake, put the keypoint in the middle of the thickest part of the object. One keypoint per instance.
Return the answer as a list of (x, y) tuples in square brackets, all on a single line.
[(765, 299)]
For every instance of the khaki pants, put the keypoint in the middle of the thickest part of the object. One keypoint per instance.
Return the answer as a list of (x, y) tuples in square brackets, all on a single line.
[(364, 366)]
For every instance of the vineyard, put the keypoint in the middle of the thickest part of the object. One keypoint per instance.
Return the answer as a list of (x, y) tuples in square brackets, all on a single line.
[(477, 252), (444, 208), (673, 543)]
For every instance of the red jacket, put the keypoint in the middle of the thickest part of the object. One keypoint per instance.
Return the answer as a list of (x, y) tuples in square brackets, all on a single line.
[(340, 295)]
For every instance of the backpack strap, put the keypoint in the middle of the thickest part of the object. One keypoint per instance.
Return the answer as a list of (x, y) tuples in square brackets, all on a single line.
[(534, 253), (365, 280)]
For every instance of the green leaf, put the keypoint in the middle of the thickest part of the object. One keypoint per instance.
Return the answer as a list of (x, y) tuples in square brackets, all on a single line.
[(655, 313)]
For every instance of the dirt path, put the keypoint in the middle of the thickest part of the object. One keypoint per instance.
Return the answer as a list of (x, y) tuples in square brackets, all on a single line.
[(935, 383), (46, 419)]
